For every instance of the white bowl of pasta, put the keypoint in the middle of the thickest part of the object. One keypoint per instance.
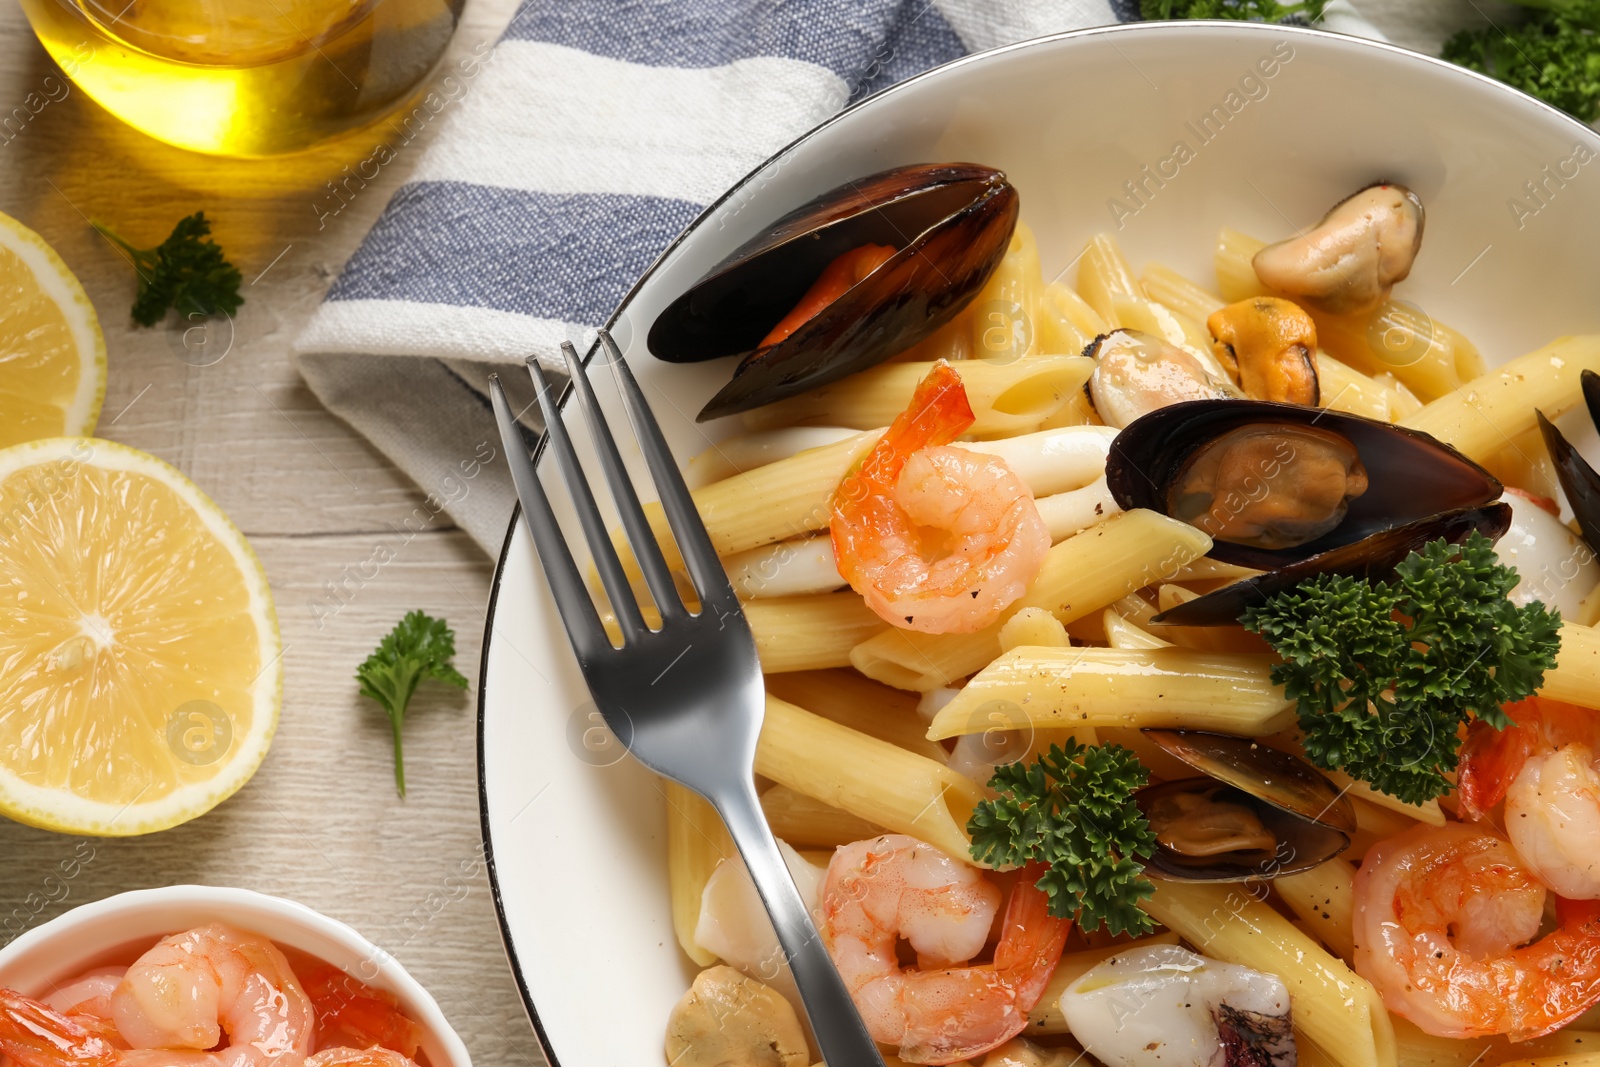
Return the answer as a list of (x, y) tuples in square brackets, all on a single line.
[(1160, 137), (357, 993)]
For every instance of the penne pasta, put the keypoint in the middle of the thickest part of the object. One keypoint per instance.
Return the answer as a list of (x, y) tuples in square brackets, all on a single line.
[(1033, 626), (1104, 275), (696, 842), (1376, 823), (1004, 315), (1007, 397), (1576, 677), (809, 633), (1324, 899), (1334, 1006), (861, 704), (1429, 813), (1166, 687), (1166, 286), (1067, 322), (1425, 354), (1417, 1049), (1120, 633), (1485, 415), (1046, 1017), (871, 779), (806, 822), (745, 452), (783, 499), (1579, 1048), (1080, 575)]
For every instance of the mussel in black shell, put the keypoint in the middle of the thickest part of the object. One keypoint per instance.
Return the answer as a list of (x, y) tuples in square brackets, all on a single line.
[(1255, 812), (1373, 558), (1274, 484), (1578, 479), (844, 282)]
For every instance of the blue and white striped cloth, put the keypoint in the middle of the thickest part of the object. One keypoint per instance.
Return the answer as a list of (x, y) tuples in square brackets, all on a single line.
[(571, 154)]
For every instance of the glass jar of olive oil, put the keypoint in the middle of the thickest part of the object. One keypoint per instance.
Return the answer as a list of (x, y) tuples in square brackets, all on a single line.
[(246, 77)]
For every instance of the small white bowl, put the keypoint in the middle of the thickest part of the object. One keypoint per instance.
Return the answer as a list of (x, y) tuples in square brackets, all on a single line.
[(113, 929)]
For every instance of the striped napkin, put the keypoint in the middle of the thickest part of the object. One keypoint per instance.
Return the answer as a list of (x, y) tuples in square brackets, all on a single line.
[(576, 149)]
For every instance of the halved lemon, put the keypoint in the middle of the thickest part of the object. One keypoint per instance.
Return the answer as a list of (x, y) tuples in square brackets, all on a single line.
[(140, 673), (52, 355)]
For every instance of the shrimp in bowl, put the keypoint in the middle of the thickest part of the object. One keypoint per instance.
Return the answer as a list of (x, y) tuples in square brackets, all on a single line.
[(213, 996), (934, 537)]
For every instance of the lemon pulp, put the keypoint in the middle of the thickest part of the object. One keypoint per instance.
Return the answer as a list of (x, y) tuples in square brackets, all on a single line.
[(139, 674), (52, 355)]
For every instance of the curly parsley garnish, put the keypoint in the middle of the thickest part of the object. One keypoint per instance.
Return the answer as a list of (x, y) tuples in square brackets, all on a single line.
[(183, 272), (418, 647), (1239, 10), (1073, 809), (1554, 55), (1384, 674)]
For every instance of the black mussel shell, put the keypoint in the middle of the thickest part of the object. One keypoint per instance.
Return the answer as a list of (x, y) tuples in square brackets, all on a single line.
[(1302, 844), (1578, 480), (1411, 475), (1280, 778), (950, 223), (1373, 558)]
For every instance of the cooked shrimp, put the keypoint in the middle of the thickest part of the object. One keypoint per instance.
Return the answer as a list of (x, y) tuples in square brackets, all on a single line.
[(351, 1057), (936, 538), (88, 993), (947, 1009), (192, 987), (1439, 914), (33, 1034), (1545, 768)]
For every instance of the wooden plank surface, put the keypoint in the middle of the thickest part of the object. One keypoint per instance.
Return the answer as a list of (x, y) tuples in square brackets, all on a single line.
[(321, 822)]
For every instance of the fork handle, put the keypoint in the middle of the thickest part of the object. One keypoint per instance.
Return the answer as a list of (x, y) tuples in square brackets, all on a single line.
[(841, 1035)]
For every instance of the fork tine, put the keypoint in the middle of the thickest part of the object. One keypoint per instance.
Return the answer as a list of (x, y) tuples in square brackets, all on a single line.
[(593, 523), (693, 541), (572, 597), (645, 549)]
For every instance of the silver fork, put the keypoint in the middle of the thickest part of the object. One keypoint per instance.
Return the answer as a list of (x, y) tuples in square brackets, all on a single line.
[(687, 699)]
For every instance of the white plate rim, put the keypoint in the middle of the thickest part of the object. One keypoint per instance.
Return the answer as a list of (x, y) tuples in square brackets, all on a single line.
[(1401, 54)]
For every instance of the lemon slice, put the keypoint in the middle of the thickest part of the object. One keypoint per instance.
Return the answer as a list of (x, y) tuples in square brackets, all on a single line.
[(140, 675), (52, 356)]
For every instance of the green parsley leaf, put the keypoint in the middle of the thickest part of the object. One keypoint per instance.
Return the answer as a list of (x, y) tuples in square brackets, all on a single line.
[(1553, 55), (418, 647), (185, 272), (1237, 10), (1383, 675), (1073, 810)]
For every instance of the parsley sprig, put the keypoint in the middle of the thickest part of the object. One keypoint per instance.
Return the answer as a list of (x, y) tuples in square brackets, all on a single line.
[(1384, 674), (1073, 810), (1553, 55), (186, 272), (1239, 10), (418, 647)]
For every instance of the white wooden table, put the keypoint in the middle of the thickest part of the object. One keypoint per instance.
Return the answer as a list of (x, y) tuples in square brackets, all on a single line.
[(320, 823)]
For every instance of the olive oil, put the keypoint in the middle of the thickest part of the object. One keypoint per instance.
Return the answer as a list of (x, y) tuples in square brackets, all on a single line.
[(246, 77)]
